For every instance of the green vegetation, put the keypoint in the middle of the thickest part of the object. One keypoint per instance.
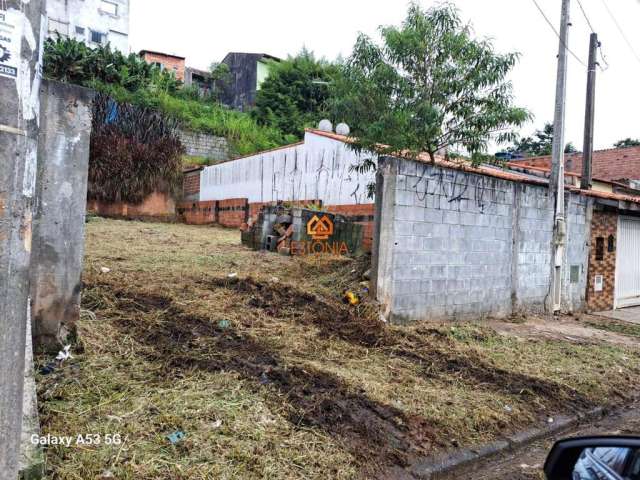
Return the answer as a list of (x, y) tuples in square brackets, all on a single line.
[(539, 144), (135, 151), (609, 325), (296, 93), (129, 79), (429, 86), (627, 142)]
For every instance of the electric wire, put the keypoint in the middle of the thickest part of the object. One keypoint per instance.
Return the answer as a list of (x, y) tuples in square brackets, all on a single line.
[(578, 59), (624, 35)]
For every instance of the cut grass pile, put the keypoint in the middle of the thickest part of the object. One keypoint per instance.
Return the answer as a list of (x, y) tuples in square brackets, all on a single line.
[(271, 376)]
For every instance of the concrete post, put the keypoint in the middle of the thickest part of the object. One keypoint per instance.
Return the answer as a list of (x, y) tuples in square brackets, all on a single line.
[(58, 230), (383, 236), (21, 26)]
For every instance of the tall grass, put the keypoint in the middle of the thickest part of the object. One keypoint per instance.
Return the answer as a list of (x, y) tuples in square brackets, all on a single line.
[(243, 133)]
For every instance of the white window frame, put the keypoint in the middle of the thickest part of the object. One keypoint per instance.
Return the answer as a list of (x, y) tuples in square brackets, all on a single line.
[(53, 21), (109, 4)]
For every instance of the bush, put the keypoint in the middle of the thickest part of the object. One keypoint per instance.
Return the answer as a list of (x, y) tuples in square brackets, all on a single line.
[(134, 152)]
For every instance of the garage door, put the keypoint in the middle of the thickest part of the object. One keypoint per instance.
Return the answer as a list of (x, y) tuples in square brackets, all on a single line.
[(628, 263)]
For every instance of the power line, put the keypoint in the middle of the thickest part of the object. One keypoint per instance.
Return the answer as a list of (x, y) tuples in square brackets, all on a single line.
[(586, 17), (626, 39), (593, 30), (557, 34)]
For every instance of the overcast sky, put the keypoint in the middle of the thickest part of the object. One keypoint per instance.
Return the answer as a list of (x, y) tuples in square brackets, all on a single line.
[(203, 31)]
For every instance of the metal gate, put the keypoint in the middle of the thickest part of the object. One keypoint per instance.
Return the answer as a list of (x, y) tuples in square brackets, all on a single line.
[(628, 263)]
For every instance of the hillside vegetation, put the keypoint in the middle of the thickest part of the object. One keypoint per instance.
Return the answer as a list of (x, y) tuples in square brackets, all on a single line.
[(130, 79)]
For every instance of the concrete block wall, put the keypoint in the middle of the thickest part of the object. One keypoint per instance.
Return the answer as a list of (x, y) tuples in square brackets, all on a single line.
[(457, 245), (579, 214), (198, 144)]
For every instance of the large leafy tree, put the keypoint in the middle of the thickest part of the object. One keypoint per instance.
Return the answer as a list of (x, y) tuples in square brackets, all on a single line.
[(428, 87), (295, 93), (540, 143)]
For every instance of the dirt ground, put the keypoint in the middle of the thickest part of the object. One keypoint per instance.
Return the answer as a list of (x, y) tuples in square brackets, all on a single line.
[(256, 359)]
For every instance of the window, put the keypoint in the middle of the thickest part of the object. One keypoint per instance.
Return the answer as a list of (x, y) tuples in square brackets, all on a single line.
[(80, 31), (56, 26), (159, 65), (97, 37), (600, 248), (109, 8), (611, 244)]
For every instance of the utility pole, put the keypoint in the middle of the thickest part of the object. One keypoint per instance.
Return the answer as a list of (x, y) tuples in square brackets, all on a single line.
[(589, 116), (556, 184), (21, 31)]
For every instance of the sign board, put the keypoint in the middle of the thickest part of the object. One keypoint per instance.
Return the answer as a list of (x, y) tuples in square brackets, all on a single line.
[(320, 229), (11, 24)]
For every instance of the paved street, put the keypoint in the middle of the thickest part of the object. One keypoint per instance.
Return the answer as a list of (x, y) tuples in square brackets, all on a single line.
[(631, 314), (527, 463)]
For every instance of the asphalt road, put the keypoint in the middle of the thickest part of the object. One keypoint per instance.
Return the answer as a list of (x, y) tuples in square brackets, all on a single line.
[(526, 464)]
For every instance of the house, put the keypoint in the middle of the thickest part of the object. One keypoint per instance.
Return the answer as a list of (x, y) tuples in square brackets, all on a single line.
[(617, 164), (248, 71), (94, 22), (199, 79), (165, 61)]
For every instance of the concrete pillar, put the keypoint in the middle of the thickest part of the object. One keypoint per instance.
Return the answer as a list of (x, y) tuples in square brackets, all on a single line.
[(22, 25), (58, 233), (383, 236)]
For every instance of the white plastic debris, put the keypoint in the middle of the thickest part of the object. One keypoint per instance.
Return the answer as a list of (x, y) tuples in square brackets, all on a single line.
[(232, 275), (508, 409), (216, 424), (105, 270), (64, 354), (549, 420)]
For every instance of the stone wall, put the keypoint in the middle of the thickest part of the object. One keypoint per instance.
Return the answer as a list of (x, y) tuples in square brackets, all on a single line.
[(454, 245), (199, 144)]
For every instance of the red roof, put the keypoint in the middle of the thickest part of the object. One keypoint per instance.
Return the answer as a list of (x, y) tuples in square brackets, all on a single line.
[(613, 164)]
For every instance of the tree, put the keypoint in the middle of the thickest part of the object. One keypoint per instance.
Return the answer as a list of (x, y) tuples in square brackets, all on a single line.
[(627, 142), (430, 86), (295, 94), (540, 143)]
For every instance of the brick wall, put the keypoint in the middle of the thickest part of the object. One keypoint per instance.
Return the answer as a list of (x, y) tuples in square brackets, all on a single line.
[(361, 214), (157, 206), (199, 144), (191, 186), (603, 224), (197, 213), (172, 64), (232, 212), (228, 213)]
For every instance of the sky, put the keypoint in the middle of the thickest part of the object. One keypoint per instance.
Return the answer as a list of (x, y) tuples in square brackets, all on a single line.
[(203, 31)]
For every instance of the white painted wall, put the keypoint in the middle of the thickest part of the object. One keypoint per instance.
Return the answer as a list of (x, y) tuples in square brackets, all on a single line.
[(317, 169), (66, 15)]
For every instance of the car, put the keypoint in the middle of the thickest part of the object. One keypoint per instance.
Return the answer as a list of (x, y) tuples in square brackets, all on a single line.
[(594, 458)]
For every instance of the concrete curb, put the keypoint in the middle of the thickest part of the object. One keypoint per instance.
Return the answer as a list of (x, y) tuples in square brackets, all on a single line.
[(431, 468)]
